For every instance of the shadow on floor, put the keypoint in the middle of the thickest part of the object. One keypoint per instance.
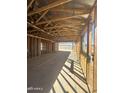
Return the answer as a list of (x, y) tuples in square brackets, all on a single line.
[(70, 76)]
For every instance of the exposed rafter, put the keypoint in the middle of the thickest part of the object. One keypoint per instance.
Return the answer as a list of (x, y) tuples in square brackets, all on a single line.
[(71, 22), (30, 35), (56, 19), (60, 19), (39, 29), (61, 26), (66, 30), (68, 35), (41, 16), (49, 6), (67, 10), (29, 5)]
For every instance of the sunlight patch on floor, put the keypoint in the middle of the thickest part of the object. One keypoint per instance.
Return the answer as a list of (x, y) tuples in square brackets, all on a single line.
[(71, 78)]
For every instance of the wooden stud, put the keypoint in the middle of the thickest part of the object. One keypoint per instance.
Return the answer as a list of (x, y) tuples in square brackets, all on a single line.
[(35, 46), (39, 51)]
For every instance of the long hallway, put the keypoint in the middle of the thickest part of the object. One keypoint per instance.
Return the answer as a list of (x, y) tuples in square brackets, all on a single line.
[(61, 46)]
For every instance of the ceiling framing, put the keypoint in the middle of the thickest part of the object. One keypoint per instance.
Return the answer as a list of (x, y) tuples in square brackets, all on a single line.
[(59, 20)]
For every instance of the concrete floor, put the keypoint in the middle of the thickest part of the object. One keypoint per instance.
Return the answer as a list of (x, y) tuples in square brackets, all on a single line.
[(58, 72), (42, 71)]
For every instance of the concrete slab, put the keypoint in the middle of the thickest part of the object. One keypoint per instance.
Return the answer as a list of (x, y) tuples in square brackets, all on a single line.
[(42, 71)]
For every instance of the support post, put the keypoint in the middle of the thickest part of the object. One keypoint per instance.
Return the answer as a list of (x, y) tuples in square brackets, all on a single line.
[(35, 46), (32, 47), (28, 47), (95, 55), (39, 48)]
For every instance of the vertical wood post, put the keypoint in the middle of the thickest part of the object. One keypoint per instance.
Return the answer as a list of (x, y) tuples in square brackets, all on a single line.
[(95, 55), (28, 46)]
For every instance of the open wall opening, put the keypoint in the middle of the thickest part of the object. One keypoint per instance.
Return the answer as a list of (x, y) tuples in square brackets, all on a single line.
[(65, 46)]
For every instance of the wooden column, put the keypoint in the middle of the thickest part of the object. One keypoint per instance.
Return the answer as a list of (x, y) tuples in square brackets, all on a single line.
[(35, 47), (39, 48), (42, 47), (95, 68), (32, 46), (89, 60), (95, 55), (47, 47), (87, 50), (50, 47), (28, 46)]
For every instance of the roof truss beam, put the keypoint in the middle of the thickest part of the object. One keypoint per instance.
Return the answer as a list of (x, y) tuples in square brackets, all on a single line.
[(67, 10), (60, 19), (41, 16), (30, 35), (49, 6), (29, 5), (39, 29), (61, 26)]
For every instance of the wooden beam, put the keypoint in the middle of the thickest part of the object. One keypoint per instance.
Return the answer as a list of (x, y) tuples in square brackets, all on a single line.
[(69, 10), (60, 19), (49, 6), (61, 26), (54, 27), (39, 29), (41, 16), (71, 28), (29, 5), (30, 31), (30, 35), (70, 22), (65, 27), (65, 30), (68, 35), (48, 22)]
